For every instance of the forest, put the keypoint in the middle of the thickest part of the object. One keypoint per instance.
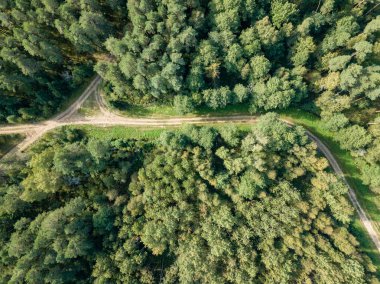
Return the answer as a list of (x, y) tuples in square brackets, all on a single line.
[(268, 54), (196, 205), (200, 204), (320, 56), (47, 49)]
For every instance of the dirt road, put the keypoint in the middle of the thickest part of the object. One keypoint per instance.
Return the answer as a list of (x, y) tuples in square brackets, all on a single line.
[(34, 131)]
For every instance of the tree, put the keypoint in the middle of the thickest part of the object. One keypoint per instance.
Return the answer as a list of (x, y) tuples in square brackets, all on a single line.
[(339, 62), (51, 5), (251, 184), (302, 51), (42, 45), (371, 176), (267, 33), (335, 121), (277, 92), (354, 138), (250, 42), (357, 80), (218, 98), (183, 104), (230, 135), (363, 49), (260, 67), (282, 11), (241, 93), (372, 26), (154, 66), (345, 28)]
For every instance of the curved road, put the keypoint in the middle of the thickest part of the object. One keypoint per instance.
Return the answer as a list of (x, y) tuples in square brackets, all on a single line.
[(34, 131)]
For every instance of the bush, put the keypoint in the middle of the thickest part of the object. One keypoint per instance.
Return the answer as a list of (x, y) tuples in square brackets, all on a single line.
[(183, 104)]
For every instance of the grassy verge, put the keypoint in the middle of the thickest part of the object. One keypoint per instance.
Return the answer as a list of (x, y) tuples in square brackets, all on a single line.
[(117, 132), (7, 142), (366, 244), (239, 109), (89, 107), (158, 111)]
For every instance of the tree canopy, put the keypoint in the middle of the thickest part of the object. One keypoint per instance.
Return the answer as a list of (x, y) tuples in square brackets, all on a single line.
[(321, 56), (196, 205), (48, 47), (280, 51)]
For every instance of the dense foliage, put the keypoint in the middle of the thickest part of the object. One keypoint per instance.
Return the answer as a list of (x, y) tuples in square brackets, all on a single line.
[(47, 48), (196, 206), (322, 56), (270, 54)]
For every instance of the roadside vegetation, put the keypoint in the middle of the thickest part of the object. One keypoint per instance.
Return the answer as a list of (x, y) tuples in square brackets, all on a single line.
[(226, 57), (76, 93), (197, 204), (89, 107), (351, 167), (350, 163), (114, 132)]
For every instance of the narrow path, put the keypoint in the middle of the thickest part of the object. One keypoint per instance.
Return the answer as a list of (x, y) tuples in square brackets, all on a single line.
[(79, 101), (35, 131)]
